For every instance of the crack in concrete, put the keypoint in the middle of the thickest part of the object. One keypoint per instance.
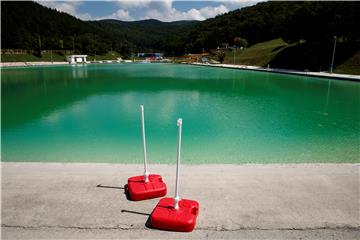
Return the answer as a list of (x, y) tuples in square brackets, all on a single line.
[(70, 227), (217, 229), (224, 229)]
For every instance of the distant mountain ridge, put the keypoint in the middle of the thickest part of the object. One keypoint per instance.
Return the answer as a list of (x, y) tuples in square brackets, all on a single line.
[(149, 22), (149, 35)]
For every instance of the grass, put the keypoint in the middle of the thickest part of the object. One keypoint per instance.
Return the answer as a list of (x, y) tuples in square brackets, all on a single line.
[(305, 56), (350, 66), (46, 57), (56, 57), (258, 55), (112, 55)]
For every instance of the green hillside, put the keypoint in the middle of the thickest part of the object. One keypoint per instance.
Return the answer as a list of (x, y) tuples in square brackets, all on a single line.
[(279, 54), (259, 54), (350, 66)]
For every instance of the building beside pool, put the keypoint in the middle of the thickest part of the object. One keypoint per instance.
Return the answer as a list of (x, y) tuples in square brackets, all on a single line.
[(150, 56), (72, 59)]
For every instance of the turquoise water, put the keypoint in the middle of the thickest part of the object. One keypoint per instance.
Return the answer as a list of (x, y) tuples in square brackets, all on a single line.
[(90, 113)]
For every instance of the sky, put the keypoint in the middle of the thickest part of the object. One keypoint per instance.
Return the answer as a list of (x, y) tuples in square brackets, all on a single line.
[(132, 10)]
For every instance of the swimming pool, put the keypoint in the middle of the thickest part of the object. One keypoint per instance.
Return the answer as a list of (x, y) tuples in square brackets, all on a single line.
[(90, 113)]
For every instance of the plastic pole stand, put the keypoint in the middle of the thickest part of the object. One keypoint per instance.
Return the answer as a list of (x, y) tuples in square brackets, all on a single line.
[(140, 190), (166, 217)]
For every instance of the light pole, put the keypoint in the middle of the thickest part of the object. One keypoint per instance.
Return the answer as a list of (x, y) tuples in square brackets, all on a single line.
[(333, 56), (73, 42), (234, 48)]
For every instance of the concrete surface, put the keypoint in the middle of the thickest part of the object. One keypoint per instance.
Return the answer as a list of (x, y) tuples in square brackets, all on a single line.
[(74, 200), (25, 64), (284, 71)]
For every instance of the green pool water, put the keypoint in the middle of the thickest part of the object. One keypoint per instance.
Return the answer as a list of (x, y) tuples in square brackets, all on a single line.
[(90, 113)]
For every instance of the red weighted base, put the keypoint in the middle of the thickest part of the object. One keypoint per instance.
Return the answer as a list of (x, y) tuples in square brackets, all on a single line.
[(140, 190), (165, 216)]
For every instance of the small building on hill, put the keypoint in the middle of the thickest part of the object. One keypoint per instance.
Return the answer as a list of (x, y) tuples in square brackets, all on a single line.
[(72, 59)]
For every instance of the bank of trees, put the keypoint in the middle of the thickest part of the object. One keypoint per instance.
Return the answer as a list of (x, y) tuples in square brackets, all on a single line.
[(315, 22), (28, 25)]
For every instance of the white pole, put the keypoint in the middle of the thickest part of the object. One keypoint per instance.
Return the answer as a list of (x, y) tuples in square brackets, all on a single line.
[(146, 174), (177, 198)]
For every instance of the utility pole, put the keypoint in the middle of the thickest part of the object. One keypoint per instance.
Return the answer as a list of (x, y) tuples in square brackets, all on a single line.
[(234, 54), (333, 56), (73, 38)]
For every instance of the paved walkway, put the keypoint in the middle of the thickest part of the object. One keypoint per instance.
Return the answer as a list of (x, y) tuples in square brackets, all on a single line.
[(292, 201), (285, 71), (26, 64)]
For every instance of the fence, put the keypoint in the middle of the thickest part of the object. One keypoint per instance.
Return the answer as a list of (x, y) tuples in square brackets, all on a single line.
[(24, 51)]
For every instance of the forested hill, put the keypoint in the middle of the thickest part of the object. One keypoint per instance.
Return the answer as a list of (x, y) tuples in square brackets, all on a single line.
[(149, 35), (28, 25), (292, 21)]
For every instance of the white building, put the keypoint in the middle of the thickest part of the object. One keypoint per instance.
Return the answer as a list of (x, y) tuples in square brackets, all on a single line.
[(72, 59)]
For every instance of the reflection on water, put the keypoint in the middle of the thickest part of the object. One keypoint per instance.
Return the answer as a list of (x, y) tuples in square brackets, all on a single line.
[(327, 97), (90, 113), (79, 71)]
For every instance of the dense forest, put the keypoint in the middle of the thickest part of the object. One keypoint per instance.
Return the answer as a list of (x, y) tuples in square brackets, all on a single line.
[(30, 26)]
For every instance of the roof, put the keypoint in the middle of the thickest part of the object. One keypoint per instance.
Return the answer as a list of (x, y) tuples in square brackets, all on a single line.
[(76, 55)]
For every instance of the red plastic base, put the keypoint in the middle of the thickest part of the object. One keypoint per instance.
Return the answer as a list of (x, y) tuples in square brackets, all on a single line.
[(140, 190), (164, 215)]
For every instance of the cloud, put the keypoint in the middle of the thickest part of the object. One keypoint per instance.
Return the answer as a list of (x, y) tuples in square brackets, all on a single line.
[(163, 10), (120, 15), (171, 14), (69, 7), (128, 4), (236, 4), (208, 12)]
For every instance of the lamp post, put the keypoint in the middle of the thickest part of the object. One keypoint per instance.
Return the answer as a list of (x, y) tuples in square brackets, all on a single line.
[(234, 48), (333, 56), (73, 42)]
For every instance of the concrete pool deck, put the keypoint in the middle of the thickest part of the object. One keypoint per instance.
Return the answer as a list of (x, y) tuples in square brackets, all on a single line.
[(255, 201), (27, 64), (284, 71)]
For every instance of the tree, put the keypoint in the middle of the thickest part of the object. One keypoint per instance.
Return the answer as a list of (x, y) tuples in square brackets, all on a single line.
[(61, 44), (318, 22), (38, 47), (241, 42), (220, 56)]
